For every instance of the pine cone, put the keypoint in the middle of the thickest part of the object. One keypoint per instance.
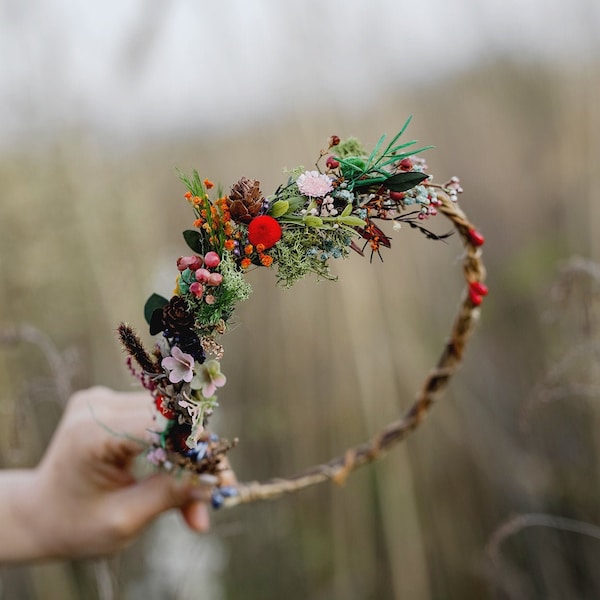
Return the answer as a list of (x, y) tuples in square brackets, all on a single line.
[(245, 200)]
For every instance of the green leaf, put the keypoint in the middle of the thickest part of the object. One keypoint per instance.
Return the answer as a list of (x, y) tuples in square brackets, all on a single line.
[(347, 209), (352, 221), (373, 155), (279, 208), (295, 203), (155, 301), (312, 221), (193, 239), (402, 182), (370, 181)]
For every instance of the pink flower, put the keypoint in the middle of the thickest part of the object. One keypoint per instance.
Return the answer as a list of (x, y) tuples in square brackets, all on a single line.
[(314, 184), (180, 366)]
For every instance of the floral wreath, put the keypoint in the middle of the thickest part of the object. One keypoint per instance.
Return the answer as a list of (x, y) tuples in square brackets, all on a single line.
[(316, 216)]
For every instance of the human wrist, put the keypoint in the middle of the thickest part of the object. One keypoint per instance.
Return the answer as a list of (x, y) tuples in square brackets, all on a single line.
[(20, 540)]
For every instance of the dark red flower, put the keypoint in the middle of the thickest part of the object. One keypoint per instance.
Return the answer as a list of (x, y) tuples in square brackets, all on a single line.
[(264, 230)]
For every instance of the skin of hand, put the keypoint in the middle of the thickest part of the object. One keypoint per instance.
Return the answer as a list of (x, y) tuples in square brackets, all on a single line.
[(83, 500)]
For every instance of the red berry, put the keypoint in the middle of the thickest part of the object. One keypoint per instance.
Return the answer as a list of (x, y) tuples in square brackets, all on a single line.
[(332, 163), (197, 289), (202, 275), (264, 230), (475, 298), (334, 140), (479, 288), (212, 260), (476, 238), (396, 196), (162, 408), (406, 164), (215, 279)]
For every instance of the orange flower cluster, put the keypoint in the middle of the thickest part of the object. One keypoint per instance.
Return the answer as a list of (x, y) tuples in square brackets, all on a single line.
[(265, 259), (214, 218)]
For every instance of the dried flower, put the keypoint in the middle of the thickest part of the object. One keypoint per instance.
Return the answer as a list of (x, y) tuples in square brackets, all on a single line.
[(180, 366), (314, 184), (266, 260), (209, 378)]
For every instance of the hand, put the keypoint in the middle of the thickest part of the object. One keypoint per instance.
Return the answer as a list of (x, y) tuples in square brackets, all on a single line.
[(83, 500)]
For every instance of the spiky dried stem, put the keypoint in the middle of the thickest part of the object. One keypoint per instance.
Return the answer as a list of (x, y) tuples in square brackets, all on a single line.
[(132, 343), (339, 468)]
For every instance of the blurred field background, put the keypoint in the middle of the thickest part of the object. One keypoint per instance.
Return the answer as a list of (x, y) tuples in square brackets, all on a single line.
[(497, 494)]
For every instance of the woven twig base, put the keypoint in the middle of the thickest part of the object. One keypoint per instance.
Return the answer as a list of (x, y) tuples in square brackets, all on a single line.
[(338, 469)]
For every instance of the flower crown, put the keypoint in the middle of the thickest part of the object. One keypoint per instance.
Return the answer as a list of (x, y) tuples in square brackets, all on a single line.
[(316, 216)]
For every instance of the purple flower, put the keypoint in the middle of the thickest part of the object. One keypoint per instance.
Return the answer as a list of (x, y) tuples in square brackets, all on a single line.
[(180, 366)]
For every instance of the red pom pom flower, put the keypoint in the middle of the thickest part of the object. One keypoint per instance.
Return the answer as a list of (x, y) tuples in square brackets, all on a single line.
[(264, 230)]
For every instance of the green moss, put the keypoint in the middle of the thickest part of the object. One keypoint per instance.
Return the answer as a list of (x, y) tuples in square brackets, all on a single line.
[(303, 250), (232, 290), (350, 147)]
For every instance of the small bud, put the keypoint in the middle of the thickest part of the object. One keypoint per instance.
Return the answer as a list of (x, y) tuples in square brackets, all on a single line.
[(196, 263), (202, 275), (212, 260), (334, 140), (197, 289), (209, 299), (215, 279), (332, 162), (184, 262)]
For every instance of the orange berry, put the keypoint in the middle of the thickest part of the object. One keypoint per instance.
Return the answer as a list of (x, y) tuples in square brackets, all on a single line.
[(208, 184), (266, 260), (260, 248), (246, 262), (187, 195), (249, 249)]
